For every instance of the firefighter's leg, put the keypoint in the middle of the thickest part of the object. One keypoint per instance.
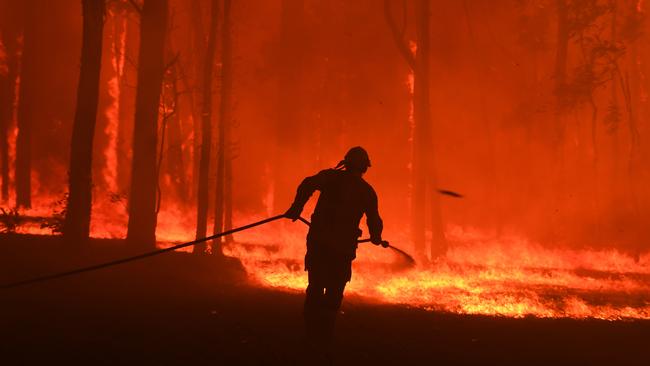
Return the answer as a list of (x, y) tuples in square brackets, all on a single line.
[(314, 300), (316, 349), (340, 275), (333, 299)]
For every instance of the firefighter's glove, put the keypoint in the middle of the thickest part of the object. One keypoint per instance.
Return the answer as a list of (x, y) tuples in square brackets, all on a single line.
[(378, 241), (293, 213)]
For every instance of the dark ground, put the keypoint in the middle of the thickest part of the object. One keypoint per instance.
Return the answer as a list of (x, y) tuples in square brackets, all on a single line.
[(176, 309)]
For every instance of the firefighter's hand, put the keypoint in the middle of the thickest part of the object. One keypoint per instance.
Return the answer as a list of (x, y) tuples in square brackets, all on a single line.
[(293, 213), (378, 241)]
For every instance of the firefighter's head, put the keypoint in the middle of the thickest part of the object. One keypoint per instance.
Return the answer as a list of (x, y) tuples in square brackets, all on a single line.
[(356, 160)]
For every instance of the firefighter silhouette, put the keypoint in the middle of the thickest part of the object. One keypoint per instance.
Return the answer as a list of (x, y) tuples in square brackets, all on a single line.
[(332, 239)]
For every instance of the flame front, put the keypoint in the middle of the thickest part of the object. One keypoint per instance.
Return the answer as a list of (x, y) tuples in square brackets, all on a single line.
[(506, 277), (510, 276)]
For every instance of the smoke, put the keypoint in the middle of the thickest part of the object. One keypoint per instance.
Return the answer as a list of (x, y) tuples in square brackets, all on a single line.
[(311, 81)]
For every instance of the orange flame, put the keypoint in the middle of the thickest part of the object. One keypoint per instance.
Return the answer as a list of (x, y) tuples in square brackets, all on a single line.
[(507, 277), (113, 111)]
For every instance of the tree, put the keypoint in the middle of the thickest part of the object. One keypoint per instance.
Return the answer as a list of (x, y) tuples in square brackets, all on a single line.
[(223, 203), (7, 97), (423, 168), (195, 69), (27, 105), (175, 162), (206, 129), (289, 128), (169, 128), (142, 202), (77, 218)]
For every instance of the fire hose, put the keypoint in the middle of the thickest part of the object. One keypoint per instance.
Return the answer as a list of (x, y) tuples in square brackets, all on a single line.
[(165, 250)]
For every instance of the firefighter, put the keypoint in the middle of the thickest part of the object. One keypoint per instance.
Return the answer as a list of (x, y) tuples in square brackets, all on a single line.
[(332, 239)]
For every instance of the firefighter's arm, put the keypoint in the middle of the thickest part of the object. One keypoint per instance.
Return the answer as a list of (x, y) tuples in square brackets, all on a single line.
[(373, 220), (304, 192)]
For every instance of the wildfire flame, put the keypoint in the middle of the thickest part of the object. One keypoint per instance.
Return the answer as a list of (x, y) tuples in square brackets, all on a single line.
[(118, 47), (510, 276), (507, 277)]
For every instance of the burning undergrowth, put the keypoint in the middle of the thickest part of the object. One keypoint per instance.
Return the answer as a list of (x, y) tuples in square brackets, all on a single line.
[(506, 277), (509, 276)]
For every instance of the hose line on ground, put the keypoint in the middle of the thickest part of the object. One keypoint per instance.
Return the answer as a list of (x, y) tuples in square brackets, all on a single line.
[(137, 257), (165, 250)]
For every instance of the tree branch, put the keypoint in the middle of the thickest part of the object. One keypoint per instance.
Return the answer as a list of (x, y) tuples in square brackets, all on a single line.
[(172, 62), (398, 36)]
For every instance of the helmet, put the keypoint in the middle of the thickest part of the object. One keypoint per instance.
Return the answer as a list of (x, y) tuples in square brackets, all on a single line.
[(357, 159)]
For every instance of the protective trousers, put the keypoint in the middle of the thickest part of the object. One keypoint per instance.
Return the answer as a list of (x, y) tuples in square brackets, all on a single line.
[(322, 302)]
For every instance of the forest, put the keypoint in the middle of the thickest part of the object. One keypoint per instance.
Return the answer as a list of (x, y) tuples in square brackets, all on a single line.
[(508, 140)]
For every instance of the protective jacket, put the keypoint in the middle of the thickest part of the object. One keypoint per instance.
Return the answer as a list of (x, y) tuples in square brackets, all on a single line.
[(344, 198)]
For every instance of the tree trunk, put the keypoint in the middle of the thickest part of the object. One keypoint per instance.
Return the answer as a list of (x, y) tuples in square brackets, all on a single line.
[(125, 127), (221, 214), (419, 160), (179, 131), (425, 176), (171, 150), (289, 132), (423, 172), (206, 130), (196, 68), (27, 104), (175, 159), (220, 189), (227, 216), (77, 218), (111, 121), (8, 96), (142, 203)]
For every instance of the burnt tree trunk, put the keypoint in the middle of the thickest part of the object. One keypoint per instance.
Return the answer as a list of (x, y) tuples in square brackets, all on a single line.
[(227, 186), (423, 132), (175, 159), (77, 219), (113, 97), (221, 214), (423, 172), (206, 130), (196, 63), (7, 98), (27, 104), (170, 159), (142, 203), (124, 131)]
